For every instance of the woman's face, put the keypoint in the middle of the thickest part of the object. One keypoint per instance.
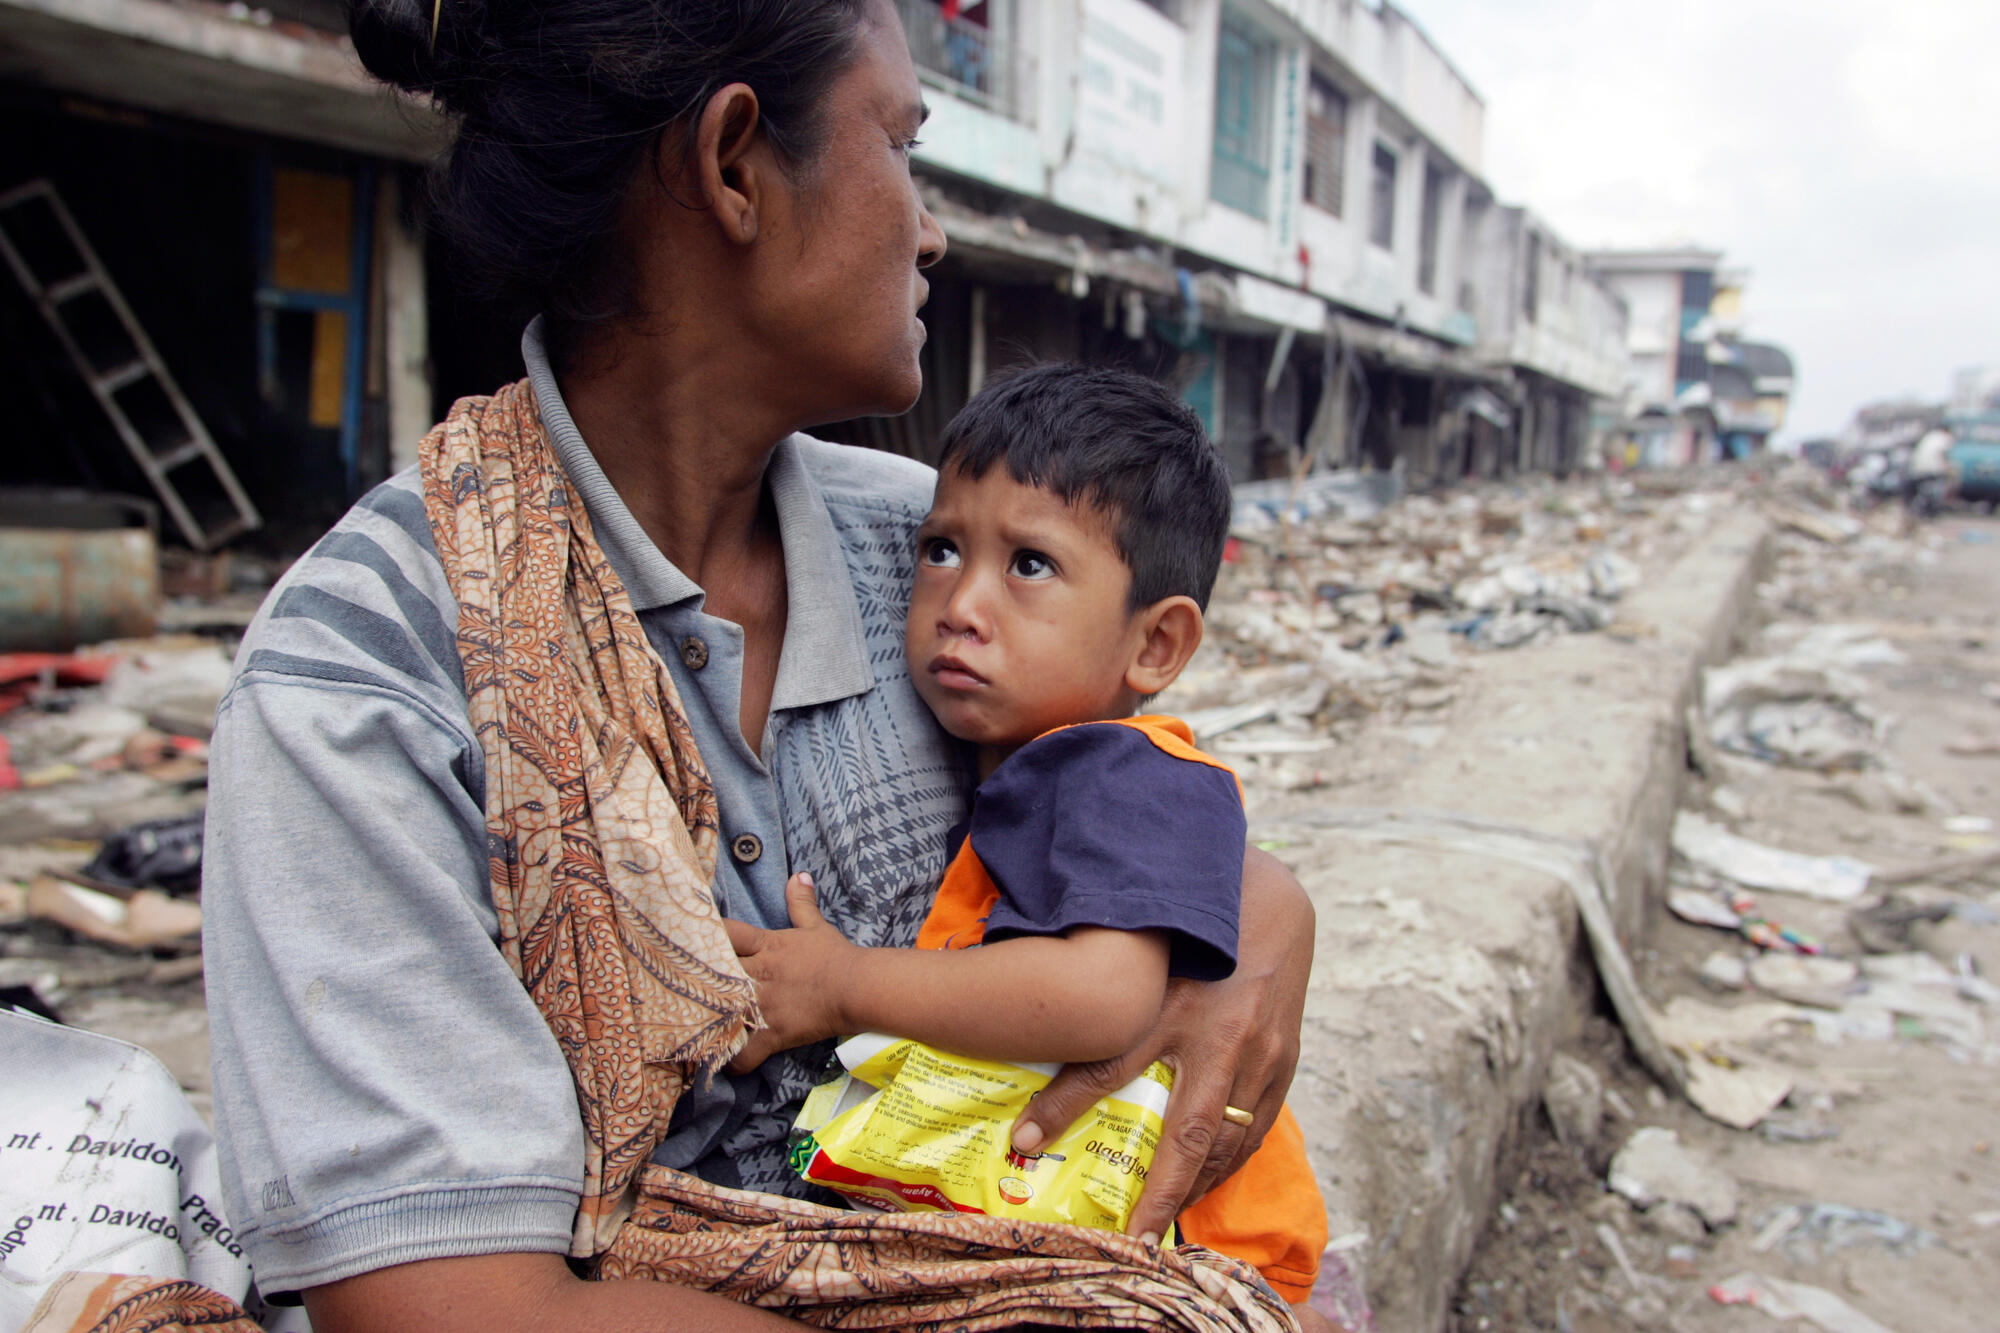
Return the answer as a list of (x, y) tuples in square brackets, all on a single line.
[(841, 285)]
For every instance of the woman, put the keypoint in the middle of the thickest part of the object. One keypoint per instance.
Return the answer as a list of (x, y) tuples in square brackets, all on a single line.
[(451, 729)]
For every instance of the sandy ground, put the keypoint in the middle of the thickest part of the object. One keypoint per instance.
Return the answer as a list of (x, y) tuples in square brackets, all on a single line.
[(1911, 1125)]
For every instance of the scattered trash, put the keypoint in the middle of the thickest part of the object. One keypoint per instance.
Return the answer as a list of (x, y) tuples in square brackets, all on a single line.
[(1724, 972), (1832, 529), (1783, 1301), (1821, 1228), (163, 854), (1736, 1095), (1653, 1168), (1979, 745), (147, 920), (1784, 711), (1725, 1081), (1754, 865), (1702, 909), (1782, 1126)]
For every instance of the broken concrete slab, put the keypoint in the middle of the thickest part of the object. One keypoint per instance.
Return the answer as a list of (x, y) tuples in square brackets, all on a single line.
[(1654, 1168)]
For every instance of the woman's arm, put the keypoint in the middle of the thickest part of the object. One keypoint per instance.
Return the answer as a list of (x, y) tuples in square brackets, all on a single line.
[(1231, 1043), (1087, 994), (519, 1293)]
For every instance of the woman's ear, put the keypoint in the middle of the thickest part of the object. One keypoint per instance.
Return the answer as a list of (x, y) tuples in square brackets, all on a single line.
[(1170, 631), (729, 177)]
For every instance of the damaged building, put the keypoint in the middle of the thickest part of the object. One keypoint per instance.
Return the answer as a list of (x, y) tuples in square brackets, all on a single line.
[(1276, 205), (1696, 391)]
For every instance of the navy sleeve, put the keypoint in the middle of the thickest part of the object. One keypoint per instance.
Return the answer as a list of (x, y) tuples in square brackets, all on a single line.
[(1097, 826)]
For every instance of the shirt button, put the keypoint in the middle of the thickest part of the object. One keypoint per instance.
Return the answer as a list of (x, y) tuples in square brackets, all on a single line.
[(747, 847), (694, 652)]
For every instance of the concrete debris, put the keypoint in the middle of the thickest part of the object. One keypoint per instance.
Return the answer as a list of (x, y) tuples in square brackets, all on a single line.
[(1823, 983), (1654, 1168), (1724, 972), (1339, 599), (1833, 529), (1574, 1099), (103, 784)]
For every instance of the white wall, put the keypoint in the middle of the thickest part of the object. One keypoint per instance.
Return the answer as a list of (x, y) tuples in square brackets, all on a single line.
[(1653, 302), (1578, 332), (1124, 128)]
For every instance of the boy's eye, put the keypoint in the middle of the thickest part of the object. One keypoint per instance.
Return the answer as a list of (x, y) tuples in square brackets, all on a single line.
[(939, 553), (1032, 565)]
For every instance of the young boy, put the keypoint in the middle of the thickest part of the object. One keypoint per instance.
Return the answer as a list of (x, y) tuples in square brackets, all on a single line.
[(1061, 577)]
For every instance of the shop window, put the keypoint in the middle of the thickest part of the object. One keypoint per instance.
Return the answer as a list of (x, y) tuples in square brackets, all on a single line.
[(1427, 235), (1326, 144), (1382, 198), (1240, 174)]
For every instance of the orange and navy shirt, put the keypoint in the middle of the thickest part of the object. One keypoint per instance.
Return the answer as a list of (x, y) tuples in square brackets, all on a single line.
[(1118, 824)]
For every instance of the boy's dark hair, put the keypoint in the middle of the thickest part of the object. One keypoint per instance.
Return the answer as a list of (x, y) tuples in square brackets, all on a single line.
[(1120, 443)]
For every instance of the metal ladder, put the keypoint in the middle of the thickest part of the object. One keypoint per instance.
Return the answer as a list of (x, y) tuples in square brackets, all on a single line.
[(186, 440)]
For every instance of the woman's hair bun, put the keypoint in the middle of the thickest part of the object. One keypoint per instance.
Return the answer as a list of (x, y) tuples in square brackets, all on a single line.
[(415, 44)]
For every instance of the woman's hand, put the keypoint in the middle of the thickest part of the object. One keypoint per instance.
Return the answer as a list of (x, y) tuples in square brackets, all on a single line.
[(1231, 1043), (799, 975)]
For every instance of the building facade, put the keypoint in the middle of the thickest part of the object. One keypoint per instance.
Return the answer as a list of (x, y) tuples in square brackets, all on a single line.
[(1695, 390), (1277, 205)]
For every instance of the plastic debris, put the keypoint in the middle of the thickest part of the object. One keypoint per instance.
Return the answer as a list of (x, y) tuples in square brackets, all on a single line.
[(1783, 1300), (163, 854), (1755, 865)]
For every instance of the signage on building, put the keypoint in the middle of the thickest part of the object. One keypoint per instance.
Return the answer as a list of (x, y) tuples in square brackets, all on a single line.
[(1127, 106)]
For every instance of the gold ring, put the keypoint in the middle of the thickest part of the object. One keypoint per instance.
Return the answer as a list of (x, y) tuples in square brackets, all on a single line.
[(1236, 1115)]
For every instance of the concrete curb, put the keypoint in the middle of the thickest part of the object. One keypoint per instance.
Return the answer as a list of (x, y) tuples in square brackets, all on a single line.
[(1444, 976)]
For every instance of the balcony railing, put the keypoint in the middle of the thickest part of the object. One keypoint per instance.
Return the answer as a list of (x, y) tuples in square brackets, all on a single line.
[(971, 60)]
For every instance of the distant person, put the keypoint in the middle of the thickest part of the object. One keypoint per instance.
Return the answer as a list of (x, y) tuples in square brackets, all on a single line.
[(1928, 480), (1932, 455)]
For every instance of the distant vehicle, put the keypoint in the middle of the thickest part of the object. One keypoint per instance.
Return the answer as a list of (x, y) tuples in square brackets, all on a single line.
[(1975, 453)]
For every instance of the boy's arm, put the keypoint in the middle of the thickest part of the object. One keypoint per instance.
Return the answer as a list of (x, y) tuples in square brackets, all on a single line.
[(1088, 994)]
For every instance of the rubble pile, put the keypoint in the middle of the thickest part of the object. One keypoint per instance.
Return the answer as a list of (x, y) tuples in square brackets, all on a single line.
[(1330, 612), (1830, 992), (103, 783)]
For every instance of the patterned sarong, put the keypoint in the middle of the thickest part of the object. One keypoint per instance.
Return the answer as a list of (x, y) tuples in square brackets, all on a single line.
[(602, 822)]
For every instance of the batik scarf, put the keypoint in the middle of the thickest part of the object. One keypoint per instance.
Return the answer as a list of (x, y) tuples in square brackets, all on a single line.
[(602, 826)]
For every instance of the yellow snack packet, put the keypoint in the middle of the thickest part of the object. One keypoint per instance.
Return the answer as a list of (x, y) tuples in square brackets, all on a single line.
[(910, 1128)]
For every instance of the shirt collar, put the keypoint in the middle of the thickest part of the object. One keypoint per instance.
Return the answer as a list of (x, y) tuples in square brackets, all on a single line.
[(825, 656)]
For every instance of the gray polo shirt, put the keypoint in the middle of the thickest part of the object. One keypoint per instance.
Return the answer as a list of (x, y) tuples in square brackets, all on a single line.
[(385, 1090)]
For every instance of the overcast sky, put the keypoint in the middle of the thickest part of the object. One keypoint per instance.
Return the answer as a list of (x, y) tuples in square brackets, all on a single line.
[(1847, 152)]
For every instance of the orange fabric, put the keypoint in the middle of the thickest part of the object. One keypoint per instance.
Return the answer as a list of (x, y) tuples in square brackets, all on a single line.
[(1269, 1214), (965, 899)]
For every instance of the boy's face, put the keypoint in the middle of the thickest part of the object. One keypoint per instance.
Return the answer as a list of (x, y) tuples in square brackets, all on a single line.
[(1018, 619)]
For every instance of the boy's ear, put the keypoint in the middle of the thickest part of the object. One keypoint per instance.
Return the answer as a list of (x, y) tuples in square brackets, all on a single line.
[(1170, 631)]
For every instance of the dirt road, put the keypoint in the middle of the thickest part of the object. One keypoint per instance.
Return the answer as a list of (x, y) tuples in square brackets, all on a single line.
[(1877, 1180)]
